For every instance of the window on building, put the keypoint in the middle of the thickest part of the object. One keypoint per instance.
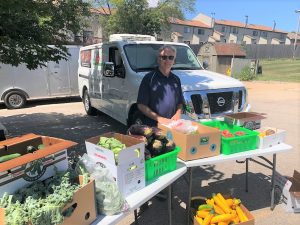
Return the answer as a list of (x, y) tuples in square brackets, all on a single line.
[(281, 36), (264, 34), (231, 41), (187, 30), (88, 37), (223, 29), (234, 30), (201, 31), (255, 33)]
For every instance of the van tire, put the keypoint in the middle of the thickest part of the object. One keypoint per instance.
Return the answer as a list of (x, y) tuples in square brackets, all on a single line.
[(15, 100), (87, 104)]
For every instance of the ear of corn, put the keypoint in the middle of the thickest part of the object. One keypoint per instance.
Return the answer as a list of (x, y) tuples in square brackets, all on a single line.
[(202, 213), (222, 218), (208, 218), (225, 211), (199, 220), (221, 204), (241, 214)]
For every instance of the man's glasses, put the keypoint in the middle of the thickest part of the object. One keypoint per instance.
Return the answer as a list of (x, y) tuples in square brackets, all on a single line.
[(165, 57)]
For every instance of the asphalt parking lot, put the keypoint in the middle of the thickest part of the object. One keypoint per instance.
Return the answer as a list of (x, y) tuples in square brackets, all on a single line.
[(65, 118)]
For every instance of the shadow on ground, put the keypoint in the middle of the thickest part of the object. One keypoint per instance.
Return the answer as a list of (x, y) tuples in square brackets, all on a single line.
[(74, 127), (34, 103), (257, 197)]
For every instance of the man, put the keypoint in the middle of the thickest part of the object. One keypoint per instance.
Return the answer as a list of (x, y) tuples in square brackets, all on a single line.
[(160, 95)]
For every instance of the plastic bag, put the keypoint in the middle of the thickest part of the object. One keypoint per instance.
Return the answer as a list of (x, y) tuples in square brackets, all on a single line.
[(183, 126), (108, 197)]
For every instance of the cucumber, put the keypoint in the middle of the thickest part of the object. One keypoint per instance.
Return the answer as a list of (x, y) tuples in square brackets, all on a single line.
[(9, 157)]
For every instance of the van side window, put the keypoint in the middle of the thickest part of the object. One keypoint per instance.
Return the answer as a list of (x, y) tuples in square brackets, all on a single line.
[(85, 58), (115, 57)]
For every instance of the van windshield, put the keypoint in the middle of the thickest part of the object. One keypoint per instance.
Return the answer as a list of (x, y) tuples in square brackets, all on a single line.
[(143, 57)]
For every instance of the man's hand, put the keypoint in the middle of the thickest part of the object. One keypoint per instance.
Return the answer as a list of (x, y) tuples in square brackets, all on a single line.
[(177, 114), (163, 120)]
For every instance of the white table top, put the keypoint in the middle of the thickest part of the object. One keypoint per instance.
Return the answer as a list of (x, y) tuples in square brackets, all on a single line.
[(237, 156), (138, 198)]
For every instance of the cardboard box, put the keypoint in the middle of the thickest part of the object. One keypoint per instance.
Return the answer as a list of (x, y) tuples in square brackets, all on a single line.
[(83, 203), (205, 143), (129, 172), (199, 199), (288, 189), (29, 167), (273, 139), (249, 120)]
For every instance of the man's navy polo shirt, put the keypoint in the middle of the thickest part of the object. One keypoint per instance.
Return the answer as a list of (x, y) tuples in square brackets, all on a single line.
[(161, 94)]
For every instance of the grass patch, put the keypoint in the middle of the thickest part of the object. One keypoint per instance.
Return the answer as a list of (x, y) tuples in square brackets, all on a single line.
[(285, 70)]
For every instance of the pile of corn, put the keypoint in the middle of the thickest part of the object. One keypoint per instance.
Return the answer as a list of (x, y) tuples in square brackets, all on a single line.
[(220, 211)]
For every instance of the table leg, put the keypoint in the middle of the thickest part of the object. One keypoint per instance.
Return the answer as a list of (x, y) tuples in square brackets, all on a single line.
[(272, 182), (170, 203), (190, 183), (247, 170), (136, 217)]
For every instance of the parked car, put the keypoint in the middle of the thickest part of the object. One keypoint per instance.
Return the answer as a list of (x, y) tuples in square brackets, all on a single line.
[(18, 84), (109, 75)]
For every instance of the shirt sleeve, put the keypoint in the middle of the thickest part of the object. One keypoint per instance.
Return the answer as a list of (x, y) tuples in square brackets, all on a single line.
[(144, 92)]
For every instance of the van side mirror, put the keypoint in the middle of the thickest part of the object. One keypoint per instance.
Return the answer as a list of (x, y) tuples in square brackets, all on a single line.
[(108, 69)]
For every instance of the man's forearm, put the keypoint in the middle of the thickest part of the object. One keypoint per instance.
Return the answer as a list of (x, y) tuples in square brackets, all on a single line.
[(148, 112)]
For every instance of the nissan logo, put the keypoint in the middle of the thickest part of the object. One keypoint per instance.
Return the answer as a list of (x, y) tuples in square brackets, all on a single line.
[(221, 101)]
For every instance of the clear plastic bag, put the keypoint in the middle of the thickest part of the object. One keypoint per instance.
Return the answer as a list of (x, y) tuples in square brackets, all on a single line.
[(108, 197), (183, 126)]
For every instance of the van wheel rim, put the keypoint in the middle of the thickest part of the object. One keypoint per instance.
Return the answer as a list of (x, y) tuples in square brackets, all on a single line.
[(15, 100)]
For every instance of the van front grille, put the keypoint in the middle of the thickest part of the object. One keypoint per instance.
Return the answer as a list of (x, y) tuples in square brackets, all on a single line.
[(197, 103), (220, 102)]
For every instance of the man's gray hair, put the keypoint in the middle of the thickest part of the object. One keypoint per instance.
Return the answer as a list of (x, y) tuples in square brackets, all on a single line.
[(170, 47)]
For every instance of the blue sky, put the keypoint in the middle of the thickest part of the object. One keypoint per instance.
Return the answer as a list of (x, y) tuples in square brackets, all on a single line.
[(260, 12)]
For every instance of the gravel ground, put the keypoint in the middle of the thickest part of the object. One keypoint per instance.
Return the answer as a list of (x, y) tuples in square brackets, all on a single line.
[(280, 101)]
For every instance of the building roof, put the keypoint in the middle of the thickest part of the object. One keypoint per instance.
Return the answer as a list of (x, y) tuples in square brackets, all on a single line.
[(292, 36), (229, 49), (192, 23), (250, 26), (103, 10)]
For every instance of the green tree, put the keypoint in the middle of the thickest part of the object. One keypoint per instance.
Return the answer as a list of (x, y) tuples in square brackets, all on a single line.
[(135, 16), (28, 27)]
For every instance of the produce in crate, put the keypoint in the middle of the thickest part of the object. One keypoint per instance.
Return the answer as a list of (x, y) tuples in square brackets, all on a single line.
[(41, 202), (138, 129), (156, 142), (112, 144), (267, 132), (228, 134), (219, 210)]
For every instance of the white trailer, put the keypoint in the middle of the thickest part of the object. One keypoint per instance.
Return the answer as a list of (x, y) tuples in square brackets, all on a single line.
[(18, 84)]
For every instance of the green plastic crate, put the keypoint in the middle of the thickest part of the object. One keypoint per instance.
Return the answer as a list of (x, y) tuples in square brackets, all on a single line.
[(159, 165), (249, 141)]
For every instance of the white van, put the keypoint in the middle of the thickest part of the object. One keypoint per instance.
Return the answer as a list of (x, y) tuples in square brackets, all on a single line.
[(109, 75), (18, 84)]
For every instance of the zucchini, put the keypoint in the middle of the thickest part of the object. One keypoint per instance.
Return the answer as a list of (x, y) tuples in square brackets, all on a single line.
[(9, 157)]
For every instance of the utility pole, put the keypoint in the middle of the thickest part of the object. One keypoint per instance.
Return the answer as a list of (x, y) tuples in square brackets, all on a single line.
[(297, 31)]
